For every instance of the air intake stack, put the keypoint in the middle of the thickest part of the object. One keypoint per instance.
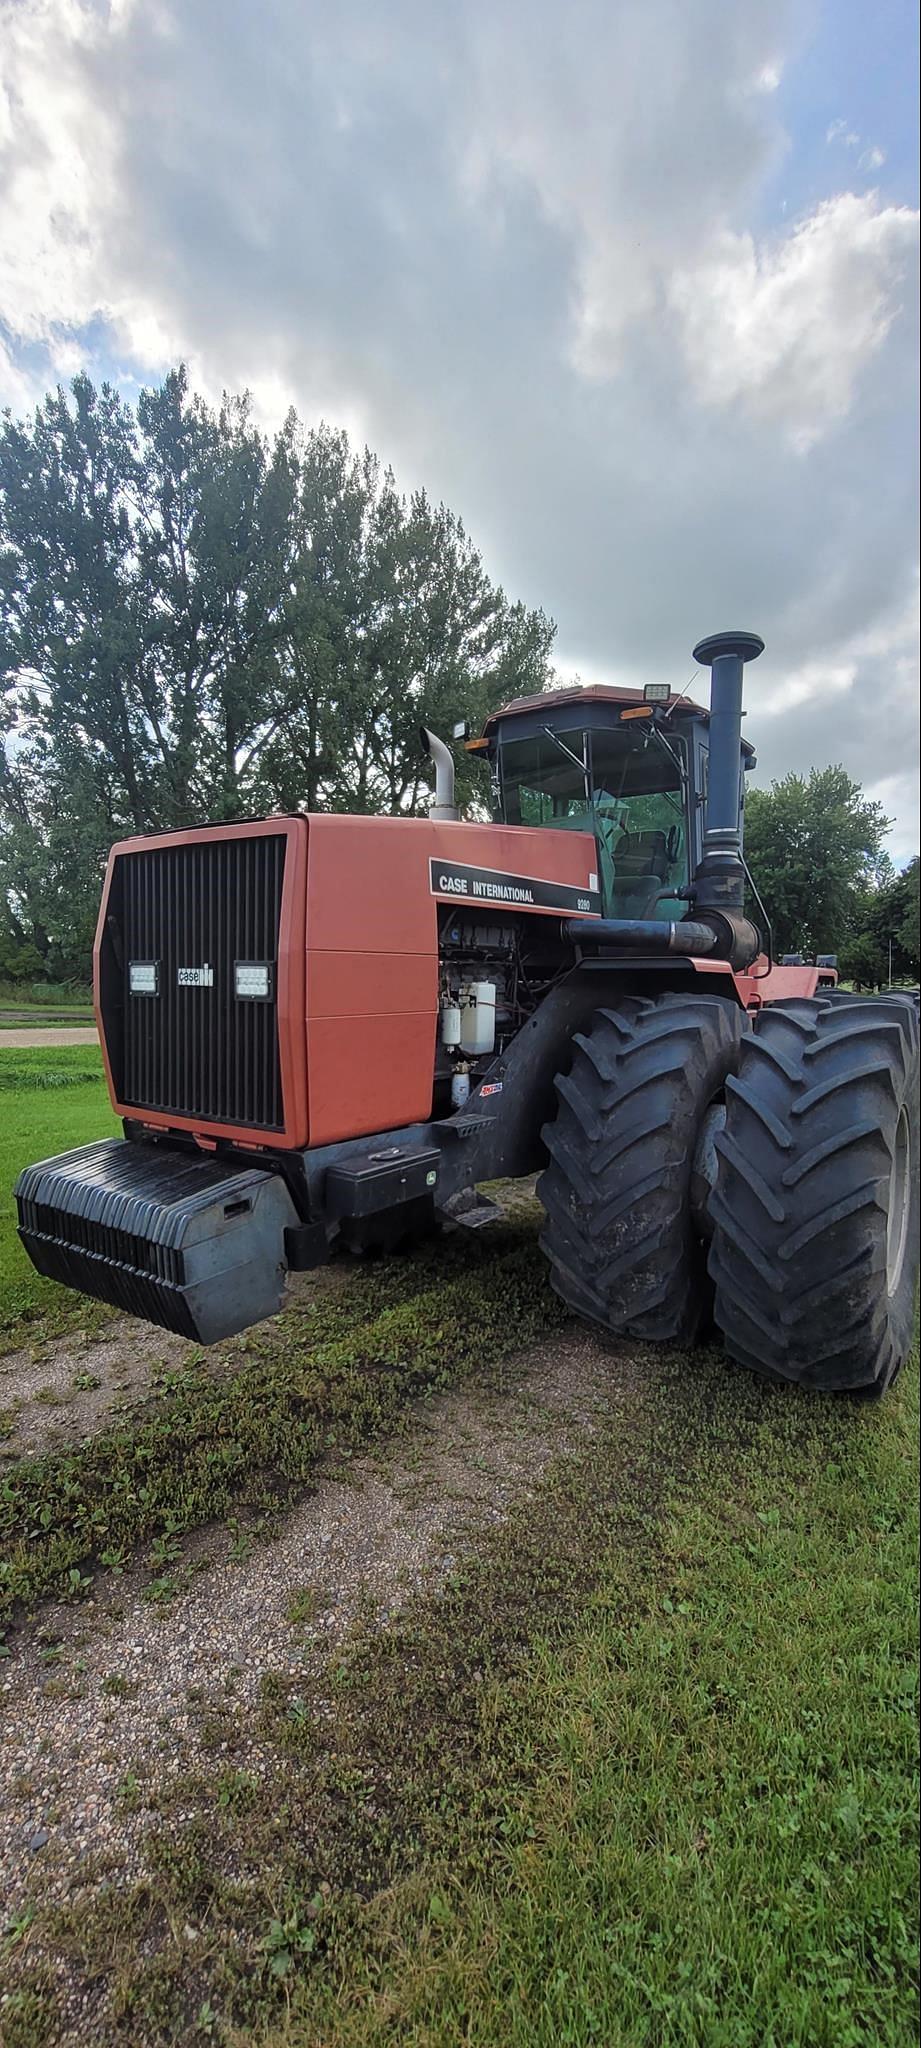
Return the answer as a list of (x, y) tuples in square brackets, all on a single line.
[(718, 888)]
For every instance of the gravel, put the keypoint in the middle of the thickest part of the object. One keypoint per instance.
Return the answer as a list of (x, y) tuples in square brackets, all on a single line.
[(397, 1523), (49, 1035)]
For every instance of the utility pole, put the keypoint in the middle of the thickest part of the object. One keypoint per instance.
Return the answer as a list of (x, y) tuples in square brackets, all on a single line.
[(890, 963)]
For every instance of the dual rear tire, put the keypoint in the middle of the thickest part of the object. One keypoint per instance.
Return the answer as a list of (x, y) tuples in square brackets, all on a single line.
[(815, 1208), (792, 1146)]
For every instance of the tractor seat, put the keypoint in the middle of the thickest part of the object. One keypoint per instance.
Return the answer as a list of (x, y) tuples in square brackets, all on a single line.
[(640, 870)]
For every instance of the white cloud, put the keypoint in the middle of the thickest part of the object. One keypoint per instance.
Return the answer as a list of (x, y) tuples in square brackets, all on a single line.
[(787, 329), (18, 388), (856, 703), (872, 158), (52, 159)]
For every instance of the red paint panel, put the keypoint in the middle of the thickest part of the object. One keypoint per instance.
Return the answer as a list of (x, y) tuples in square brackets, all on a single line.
[(368, 984), (372, 955), (369, 877), (372, 976), (371, 1020), (782, 983), (369, 1074)]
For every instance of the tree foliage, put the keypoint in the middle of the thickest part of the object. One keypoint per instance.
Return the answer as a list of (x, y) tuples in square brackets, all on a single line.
[(199, 622), (814, 846), (884, 938)]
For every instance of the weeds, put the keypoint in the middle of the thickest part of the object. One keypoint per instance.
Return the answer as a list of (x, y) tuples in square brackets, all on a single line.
[(329, 1376)]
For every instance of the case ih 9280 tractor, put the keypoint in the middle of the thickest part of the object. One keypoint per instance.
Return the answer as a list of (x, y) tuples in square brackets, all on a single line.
[(325, 1031)]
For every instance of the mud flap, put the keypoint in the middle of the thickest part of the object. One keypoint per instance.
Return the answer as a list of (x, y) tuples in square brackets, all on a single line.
[(186, 1240)]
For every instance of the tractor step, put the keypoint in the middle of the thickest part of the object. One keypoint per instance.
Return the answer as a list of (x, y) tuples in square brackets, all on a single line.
[(463, 1126), (472, 1210)]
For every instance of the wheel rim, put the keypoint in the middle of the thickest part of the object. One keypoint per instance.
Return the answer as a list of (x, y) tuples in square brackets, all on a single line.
[(899, 1184)]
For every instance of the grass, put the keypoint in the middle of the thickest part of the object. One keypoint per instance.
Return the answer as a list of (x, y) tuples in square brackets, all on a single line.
[(644, 1776), (44, 995), (700, 1791), (715, 1841), (49, 1101), (258, 1418), (28, 1019)]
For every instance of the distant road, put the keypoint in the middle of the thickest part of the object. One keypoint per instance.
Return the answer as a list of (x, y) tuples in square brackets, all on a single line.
[(50, 1035)]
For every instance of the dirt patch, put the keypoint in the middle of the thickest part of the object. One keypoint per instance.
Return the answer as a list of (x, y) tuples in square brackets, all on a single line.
[(49, 1035), (59, 1392), (103, 1702)]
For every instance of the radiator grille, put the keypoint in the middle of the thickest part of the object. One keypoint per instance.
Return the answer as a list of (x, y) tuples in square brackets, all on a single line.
[(199, 1052)]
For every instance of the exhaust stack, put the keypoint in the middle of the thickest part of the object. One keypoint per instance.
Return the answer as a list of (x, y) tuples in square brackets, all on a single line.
[(444, 808)]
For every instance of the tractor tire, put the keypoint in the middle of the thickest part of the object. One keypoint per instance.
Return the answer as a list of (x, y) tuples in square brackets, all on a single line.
[(619, 1231), (815, 1206)]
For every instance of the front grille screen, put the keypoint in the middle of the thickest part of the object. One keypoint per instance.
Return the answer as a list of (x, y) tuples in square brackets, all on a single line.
[(182, 920)]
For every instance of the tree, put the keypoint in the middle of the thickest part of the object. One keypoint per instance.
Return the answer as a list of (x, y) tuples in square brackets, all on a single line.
[(814, 846), (884, 938), (197, 623), (212, 521), (70, 633), (391, 622), (906, 915)]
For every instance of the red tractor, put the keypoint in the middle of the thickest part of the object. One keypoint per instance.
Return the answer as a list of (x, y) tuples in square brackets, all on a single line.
[(327, 1031)]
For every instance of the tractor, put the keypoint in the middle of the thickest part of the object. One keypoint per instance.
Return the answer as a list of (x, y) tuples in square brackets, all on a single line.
[(326, 1032)]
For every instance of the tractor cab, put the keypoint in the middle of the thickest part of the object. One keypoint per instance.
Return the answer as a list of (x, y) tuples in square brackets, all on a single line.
[(631, 772)]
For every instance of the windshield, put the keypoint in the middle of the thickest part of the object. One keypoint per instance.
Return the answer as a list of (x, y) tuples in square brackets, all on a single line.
[(623, 785)]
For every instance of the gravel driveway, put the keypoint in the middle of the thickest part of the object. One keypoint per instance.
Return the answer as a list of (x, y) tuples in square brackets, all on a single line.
[(103, 1694), (72, 1034)]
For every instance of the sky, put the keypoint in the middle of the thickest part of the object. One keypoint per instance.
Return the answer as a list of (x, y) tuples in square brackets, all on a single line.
[(632, 285)]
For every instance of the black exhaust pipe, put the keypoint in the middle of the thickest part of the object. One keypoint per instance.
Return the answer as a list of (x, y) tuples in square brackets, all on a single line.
[(717, 891)]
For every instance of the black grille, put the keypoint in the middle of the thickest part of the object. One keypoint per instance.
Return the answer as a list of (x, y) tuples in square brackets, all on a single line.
[(197, 1051)]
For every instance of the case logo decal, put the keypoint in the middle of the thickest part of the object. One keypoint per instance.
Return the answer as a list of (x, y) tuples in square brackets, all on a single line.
[(514, 892)]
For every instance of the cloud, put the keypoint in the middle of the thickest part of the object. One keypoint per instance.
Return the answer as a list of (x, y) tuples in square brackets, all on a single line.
[(870, 159), (858, 707), (787, 329), (526, 250)]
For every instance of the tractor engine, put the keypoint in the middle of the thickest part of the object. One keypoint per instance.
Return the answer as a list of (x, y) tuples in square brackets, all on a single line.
[(492, 978)]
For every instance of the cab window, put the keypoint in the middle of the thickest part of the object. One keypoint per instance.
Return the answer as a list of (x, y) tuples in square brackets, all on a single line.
[(624, 785), (543, 779)]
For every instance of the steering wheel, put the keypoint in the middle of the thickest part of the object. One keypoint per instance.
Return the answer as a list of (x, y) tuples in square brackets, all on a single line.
[(672, 844)]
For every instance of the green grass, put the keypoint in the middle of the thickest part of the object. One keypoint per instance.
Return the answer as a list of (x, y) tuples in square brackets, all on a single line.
[(50, 1100), (645, 1775), (42, 995), (28, 1019), (714, 1839)]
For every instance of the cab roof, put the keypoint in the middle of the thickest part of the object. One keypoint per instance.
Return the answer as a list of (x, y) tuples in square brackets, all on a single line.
[(608, 694)]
